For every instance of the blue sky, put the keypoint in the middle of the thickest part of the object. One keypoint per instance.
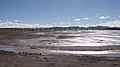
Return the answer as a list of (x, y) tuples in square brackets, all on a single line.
[(60, 12)]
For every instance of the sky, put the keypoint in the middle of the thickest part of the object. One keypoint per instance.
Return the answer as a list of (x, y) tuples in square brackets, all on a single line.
[(60, 12)]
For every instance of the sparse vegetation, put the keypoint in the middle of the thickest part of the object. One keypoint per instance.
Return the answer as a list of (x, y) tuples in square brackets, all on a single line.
[(4, 32)]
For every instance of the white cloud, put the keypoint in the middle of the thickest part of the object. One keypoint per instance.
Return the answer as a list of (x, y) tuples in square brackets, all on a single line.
[(86, 18), (0, 21), (18, 20), (119, 16), (77, 20), (104, 17), (115, 23)]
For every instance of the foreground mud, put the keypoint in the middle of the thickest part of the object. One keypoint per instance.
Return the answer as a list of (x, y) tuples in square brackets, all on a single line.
[(10, 59)]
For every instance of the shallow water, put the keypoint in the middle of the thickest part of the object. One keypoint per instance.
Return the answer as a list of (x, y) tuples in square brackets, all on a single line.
[(85, 52), (84, 38), (13, 49)]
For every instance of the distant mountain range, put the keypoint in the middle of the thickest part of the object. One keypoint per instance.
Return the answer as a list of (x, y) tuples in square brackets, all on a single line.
[(102, 26)]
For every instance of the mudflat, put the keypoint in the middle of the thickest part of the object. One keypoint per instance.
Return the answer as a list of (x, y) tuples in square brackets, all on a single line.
[(34, 49)]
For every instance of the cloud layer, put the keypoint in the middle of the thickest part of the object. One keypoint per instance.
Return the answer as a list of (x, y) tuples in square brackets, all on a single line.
[(115, 23), (9, 24)]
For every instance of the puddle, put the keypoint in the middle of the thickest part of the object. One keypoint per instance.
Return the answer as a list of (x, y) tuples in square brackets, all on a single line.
[(8, 49), (41, 33)]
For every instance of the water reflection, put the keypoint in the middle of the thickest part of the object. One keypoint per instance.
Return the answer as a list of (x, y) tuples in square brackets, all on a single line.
[(8, 49), (84, 52), (89, 44)]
